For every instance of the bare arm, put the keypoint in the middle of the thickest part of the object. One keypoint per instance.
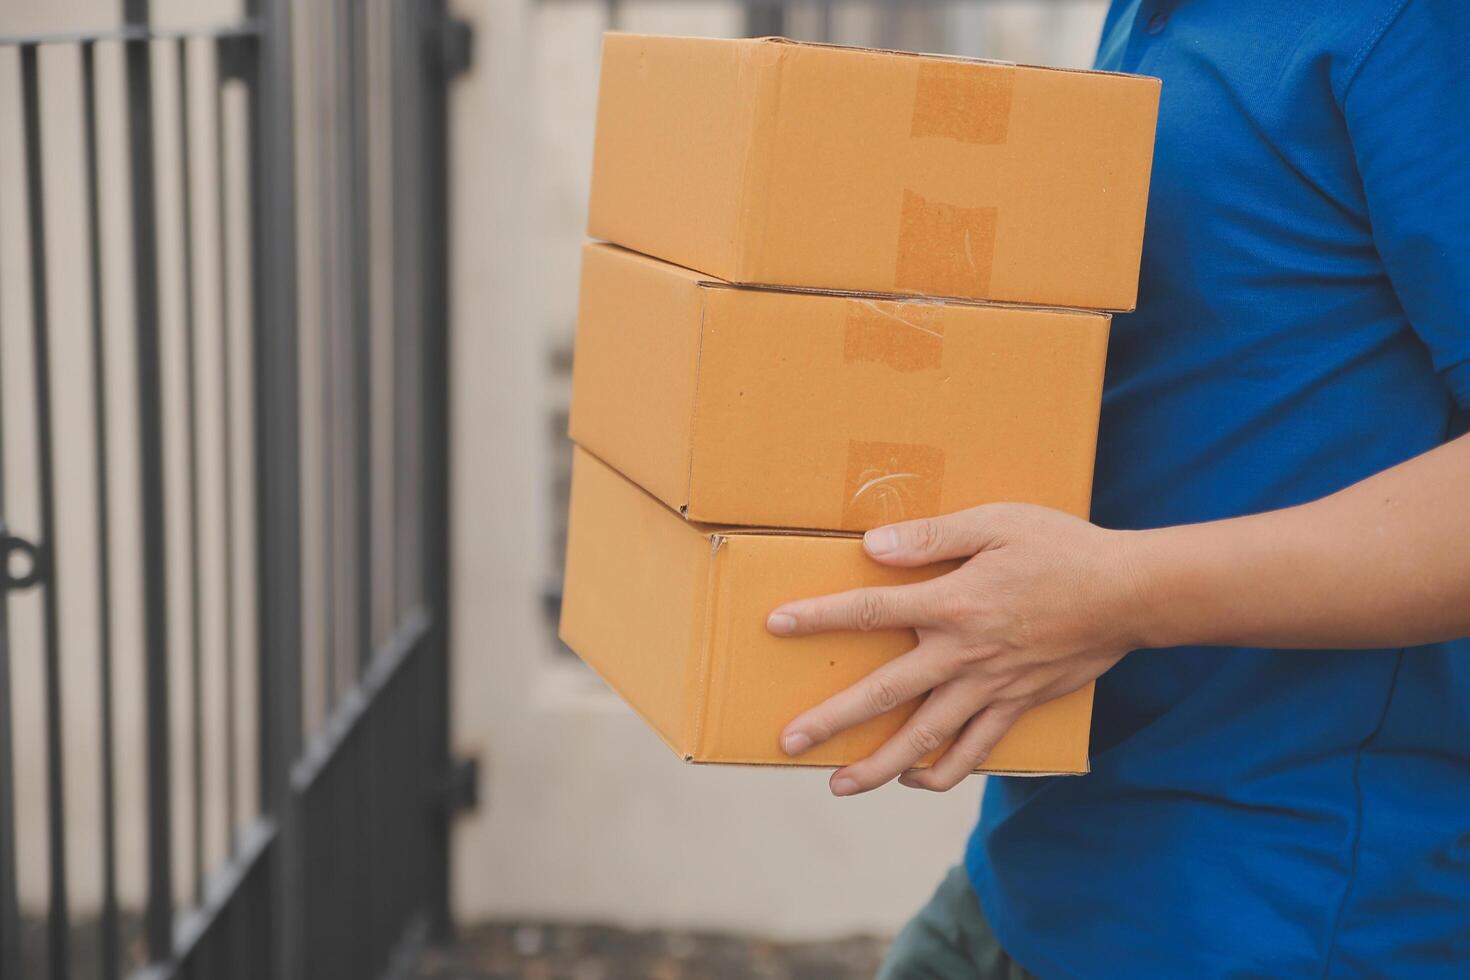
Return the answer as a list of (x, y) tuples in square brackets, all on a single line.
[(1047, 602), (1384, 563)]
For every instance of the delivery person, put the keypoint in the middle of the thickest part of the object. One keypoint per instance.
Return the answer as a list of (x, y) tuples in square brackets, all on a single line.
[(1274, 591)]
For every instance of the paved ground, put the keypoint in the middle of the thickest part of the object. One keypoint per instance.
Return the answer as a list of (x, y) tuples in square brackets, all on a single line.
[(85, 947), (535, 951), (539, 951)]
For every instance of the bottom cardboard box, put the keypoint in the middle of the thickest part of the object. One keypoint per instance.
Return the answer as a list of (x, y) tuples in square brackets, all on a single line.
[(671, 614)]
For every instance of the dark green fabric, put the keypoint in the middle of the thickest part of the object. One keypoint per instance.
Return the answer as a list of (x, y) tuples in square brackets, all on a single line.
[(949, 940)]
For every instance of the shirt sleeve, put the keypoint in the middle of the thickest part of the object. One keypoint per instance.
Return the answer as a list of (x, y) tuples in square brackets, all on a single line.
[(1407, 106)]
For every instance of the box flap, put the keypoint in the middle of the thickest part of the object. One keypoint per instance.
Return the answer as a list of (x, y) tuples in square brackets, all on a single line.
[(634, 596), (762, 682), (636, 365), (842, 412), (672, 146), (758, 683)]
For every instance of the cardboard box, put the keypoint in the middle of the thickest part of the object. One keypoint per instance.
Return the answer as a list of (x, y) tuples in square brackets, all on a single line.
[(672, 615), (768, 161), (812, 410)]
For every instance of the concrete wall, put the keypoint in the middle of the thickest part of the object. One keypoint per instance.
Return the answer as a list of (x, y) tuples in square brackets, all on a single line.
[(586, 815)]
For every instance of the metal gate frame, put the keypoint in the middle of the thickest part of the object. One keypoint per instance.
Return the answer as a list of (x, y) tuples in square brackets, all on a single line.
[(344, 872)]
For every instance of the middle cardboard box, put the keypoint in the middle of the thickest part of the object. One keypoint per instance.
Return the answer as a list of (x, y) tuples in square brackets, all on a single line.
[(808, 409)]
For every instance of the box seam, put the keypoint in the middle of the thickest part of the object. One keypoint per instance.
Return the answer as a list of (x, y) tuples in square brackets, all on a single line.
[(699, 704), (918, 299), (759, 155), (748, 77), (688, 506), (1095, 398)]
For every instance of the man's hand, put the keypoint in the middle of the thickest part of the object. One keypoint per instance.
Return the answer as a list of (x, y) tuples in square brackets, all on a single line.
[(1042, 606), (1047, 602)]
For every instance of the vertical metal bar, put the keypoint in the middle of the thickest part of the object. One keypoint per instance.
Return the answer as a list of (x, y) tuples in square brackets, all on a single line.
[(764, 19), (191, 421), (340, 439), (888, 26), (403, 892), (434, 225), (108, 943), (327, 332), (362, 339), (59, 919), (9, 897), (158, 924), (9, 900), (405, 438), (227, 448), (277, 448), (356, 786)]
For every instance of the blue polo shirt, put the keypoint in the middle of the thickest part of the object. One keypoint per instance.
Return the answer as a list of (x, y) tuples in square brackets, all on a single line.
[(1303, 322)]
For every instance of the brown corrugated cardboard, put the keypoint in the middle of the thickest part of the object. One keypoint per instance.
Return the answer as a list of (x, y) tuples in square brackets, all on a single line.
[(772, 162), (672, 615), (813, 410)]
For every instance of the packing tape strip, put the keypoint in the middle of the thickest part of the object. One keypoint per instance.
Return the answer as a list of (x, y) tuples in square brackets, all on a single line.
[(945, 249), (890, 481), (903, 336), (965, 101)]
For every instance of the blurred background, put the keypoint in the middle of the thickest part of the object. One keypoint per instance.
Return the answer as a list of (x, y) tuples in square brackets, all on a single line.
[(316, 512)]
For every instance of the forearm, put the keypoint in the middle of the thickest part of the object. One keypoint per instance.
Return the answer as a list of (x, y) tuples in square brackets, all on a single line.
[(1384, 563)]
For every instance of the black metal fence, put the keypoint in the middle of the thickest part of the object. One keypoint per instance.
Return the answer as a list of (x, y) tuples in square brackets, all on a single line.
[(277, 557), (881, 23)]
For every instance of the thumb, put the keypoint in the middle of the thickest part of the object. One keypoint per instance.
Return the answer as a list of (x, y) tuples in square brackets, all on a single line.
[(932, 539)]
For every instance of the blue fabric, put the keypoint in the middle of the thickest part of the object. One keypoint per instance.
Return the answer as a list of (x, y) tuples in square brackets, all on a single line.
[(1303, 322)]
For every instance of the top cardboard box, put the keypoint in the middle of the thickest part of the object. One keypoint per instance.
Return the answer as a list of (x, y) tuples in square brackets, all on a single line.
[(778, 163)]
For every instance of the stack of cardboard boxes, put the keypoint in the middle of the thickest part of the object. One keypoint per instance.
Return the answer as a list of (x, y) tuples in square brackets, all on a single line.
[(845, 288)]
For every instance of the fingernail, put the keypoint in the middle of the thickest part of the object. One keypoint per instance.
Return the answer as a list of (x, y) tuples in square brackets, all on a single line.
[(909, 781), (781, 622), (881, 541), (796, 743), (843, 786)]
